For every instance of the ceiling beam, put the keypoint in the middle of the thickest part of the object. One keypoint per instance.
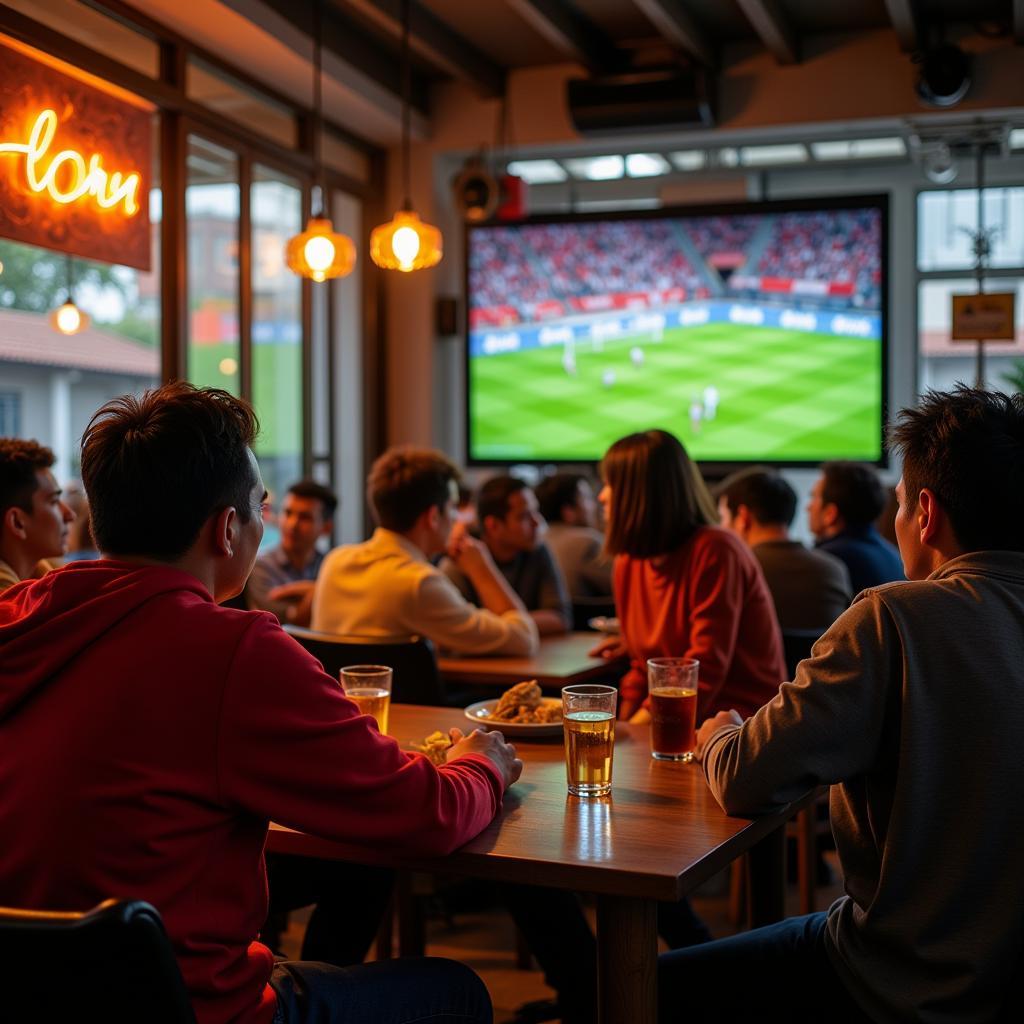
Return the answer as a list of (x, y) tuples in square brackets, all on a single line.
[(771, 26), (903, 15), (675, 25), (572, 33), (349, 43), (435, 42)]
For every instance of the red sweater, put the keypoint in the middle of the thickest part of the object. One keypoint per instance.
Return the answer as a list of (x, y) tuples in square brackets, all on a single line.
[(147, 736), (707, 600)]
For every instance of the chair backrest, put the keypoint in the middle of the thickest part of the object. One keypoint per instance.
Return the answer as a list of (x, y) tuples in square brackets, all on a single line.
[(416, 679), (796, 645), (113, 963)]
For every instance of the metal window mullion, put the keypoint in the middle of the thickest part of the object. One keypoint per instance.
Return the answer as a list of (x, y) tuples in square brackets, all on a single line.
[(245, 359)]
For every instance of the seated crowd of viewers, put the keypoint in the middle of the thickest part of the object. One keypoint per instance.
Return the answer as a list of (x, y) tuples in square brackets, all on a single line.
[(918, 660)]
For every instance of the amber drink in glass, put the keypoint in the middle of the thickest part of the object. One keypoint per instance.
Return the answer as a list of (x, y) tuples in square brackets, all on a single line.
[(672, 688), (588, 718), (370, 687)]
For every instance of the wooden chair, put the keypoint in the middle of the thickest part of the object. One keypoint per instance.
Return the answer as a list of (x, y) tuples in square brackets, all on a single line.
[(416, 679), (113, 963)]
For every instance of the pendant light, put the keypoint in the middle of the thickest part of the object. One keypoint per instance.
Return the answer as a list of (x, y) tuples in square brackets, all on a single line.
[(67, 318), (405, 243), (319, 252)]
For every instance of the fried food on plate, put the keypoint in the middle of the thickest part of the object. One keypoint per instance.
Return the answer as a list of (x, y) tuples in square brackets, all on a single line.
[(524, 704), (436, 746)]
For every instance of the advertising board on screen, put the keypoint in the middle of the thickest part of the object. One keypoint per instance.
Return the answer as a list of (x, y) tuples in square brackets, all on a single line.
[(755, 333)]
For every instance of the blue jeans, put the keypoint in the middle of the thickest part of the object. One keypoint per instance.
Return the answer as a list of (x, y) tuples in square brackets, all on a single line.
[(779, 972), (427, 990)]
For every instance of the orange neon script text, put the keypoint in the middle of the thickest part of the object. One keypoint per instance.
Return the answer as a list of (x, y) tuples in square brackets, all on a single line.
[(82, 178)]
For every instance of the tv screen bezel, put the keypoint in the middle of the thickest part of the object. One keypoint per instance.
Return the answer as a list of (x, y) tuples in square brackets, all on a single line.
[(709, 467)]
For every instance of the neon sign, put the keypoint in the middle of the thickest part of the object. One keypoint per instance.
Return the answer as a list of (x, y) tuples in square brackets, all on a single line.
[(75, 160), (83, 178)]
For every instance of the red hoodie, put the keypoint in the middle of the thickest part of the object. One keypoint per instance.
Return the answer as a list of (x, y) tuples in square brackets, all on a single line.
[(147, 736)]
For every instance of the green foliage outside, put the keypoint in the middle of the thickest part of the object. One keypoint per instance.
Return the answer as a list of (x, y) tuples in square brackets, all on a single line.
[(783, 394), (277, 389), (1015, 378), (36, 279)]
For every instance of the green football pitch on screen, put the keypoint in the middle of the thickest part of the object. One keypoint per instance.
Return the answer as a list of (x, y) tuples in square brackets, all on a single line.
[(776, 395)]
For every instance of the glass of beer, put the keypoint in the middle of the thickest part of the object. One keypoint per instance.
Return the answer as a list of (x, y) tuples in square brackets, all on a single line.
[(672, 686), (588, 717), (370, 687)]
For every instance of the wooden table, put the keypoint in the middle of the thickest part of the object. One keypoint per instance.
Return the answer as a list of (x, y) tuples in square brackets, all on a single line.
[(561, 661), (657, 836)]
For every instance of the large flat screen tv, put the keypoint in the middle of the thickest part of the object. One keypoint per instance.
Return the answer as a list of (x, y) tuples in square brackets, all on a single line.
[(756, 332)]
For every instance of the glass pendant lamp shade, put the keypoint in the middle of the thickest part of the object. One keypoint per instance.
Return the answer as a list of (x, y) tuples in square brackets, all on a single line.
[(405, 243), (68, 318), (320, 252)]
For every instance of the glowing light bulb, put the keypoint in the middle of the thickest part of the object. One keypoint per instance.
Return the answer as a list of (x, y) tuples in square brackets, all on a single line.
[(405, 244), (69, 319), (319, 254)]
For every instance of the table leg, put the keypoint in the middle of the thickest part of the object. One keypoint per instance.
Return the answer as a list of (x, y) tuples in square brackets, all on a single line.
[(627, 959), (768, 879)]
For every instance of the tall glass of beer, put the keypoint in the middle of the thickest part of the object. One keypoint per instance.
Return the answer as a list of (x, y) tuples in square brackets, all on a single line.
[(588, 717), (672, 687), (370, 687)]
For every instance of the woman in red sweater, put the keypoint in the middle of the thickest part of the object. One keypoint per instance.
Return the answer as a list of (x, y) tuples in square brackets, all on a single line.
[(683, 586)]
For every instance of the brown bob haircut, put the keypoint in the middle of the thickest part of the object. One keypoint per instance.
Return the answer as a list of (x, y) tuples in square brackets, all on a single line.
[(405, 482), (658, 498), (156, 468)]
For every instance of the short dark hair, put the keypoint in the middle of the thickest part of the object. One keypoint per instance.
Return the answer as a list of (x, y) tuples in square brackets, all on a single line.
[(493, 498), (658, 498), (557, 491), (156, 468), (855, 490), (405, 482), (317, 491), (20, 460), (764, 491), (967, 447)]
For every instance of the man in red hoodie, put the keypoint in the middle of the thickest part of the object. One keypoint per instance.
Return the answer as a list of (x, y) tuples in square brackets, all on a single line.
[(147, 735)]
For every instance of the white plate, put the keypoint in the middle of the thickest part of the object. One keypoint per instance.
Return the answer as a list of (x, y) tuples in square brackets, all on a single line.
[(478, 714), (604, 624)]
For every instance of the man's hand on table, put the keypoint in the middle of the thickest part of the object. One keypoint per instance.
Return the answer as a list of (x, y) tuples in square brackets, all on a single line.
[(300, 596), (711, 726), (491, 745)]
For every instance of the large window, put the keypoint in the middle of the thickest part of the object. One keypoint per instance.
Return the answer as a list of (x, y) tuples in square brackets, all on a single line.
[(276, 211), (947, 229), (212, 202)]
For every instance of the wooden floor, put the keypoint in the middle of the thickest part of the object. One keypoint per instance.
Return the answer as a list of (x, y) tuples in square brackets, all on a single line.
[(485, 940)]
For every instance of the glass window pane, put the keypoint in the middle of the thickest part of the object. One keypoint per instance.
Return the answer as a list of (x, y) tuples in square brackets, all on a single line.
[(276, 329), (51, 383), (942, 361), (212, 211), (946, 221)]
